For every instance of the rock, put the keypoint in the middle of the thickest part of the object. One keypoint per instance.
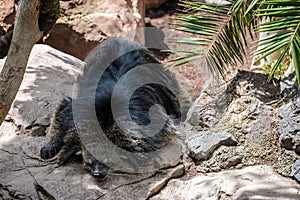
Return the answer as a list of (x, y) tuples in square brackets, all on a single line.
[(39, 126), (38, 130), (39, 93), (64, 38), (209, 111), (295, 170), (289, 87), (233, 161), (255, 85), (222, 158), (174, 173), (289, 128), (7, 192), (43, 121), (84, 24), (252, 117), (201, 145), (49, 77), (6, 14), (289, 113), (254, 182), (19, 156), (296, 147), (286, 141), (154, 3), (236, 100), (248, 106)]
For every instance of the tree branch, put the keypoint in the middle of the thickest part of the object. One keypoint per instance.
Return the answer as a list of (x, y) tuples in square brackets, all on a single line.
[(34, 18)]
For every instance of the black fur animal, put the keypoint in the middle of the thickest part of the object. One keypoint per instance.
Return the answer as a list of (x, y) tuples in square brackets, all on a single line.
[(64, 135)]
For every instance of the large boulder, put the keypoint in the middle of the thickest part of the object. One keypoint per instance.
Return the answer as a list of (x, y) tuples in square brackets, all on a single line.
[(49, 77), (6, 14), (234, 125), (84, 24), (262, 116)]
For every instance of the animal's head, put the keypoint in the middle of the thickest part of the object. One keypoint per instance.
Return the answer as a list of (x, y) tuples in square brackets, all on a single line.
[(97, 169)]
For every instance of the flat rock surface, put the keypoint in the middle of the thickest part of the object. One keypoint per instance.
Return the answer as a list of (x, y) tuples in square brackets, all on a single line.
[(254, 182), (49, 78), (244, 113), (201, 145)]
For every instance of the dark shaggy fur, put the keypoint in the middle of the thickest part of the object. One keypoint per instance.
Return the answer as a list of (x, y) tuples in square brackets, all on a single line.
[(64, 135)]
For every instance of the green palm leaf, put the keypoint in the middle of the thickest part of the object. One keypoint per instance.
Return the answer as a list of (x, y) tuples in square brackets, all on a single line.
[(219, 31), (284, 26)]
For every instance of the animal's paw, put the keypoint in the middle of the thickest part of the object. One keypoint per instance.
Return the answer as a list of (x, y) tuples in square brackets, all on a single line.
[(67, 153), (49, 152)]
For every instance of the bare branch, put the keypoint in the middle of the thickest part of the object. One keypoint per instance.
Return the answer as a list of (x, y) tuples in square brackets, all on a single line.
[(33, 17)]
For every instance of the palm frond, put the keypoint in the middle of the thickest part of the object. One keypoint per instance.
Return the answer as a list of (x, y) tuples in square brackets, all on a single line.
[(281, 19), (221, 31)]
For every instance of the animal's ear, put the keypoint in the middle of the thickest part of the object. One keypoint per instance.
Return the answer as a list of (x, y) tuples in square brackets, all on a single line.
[(89, 161), (88, 158)]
